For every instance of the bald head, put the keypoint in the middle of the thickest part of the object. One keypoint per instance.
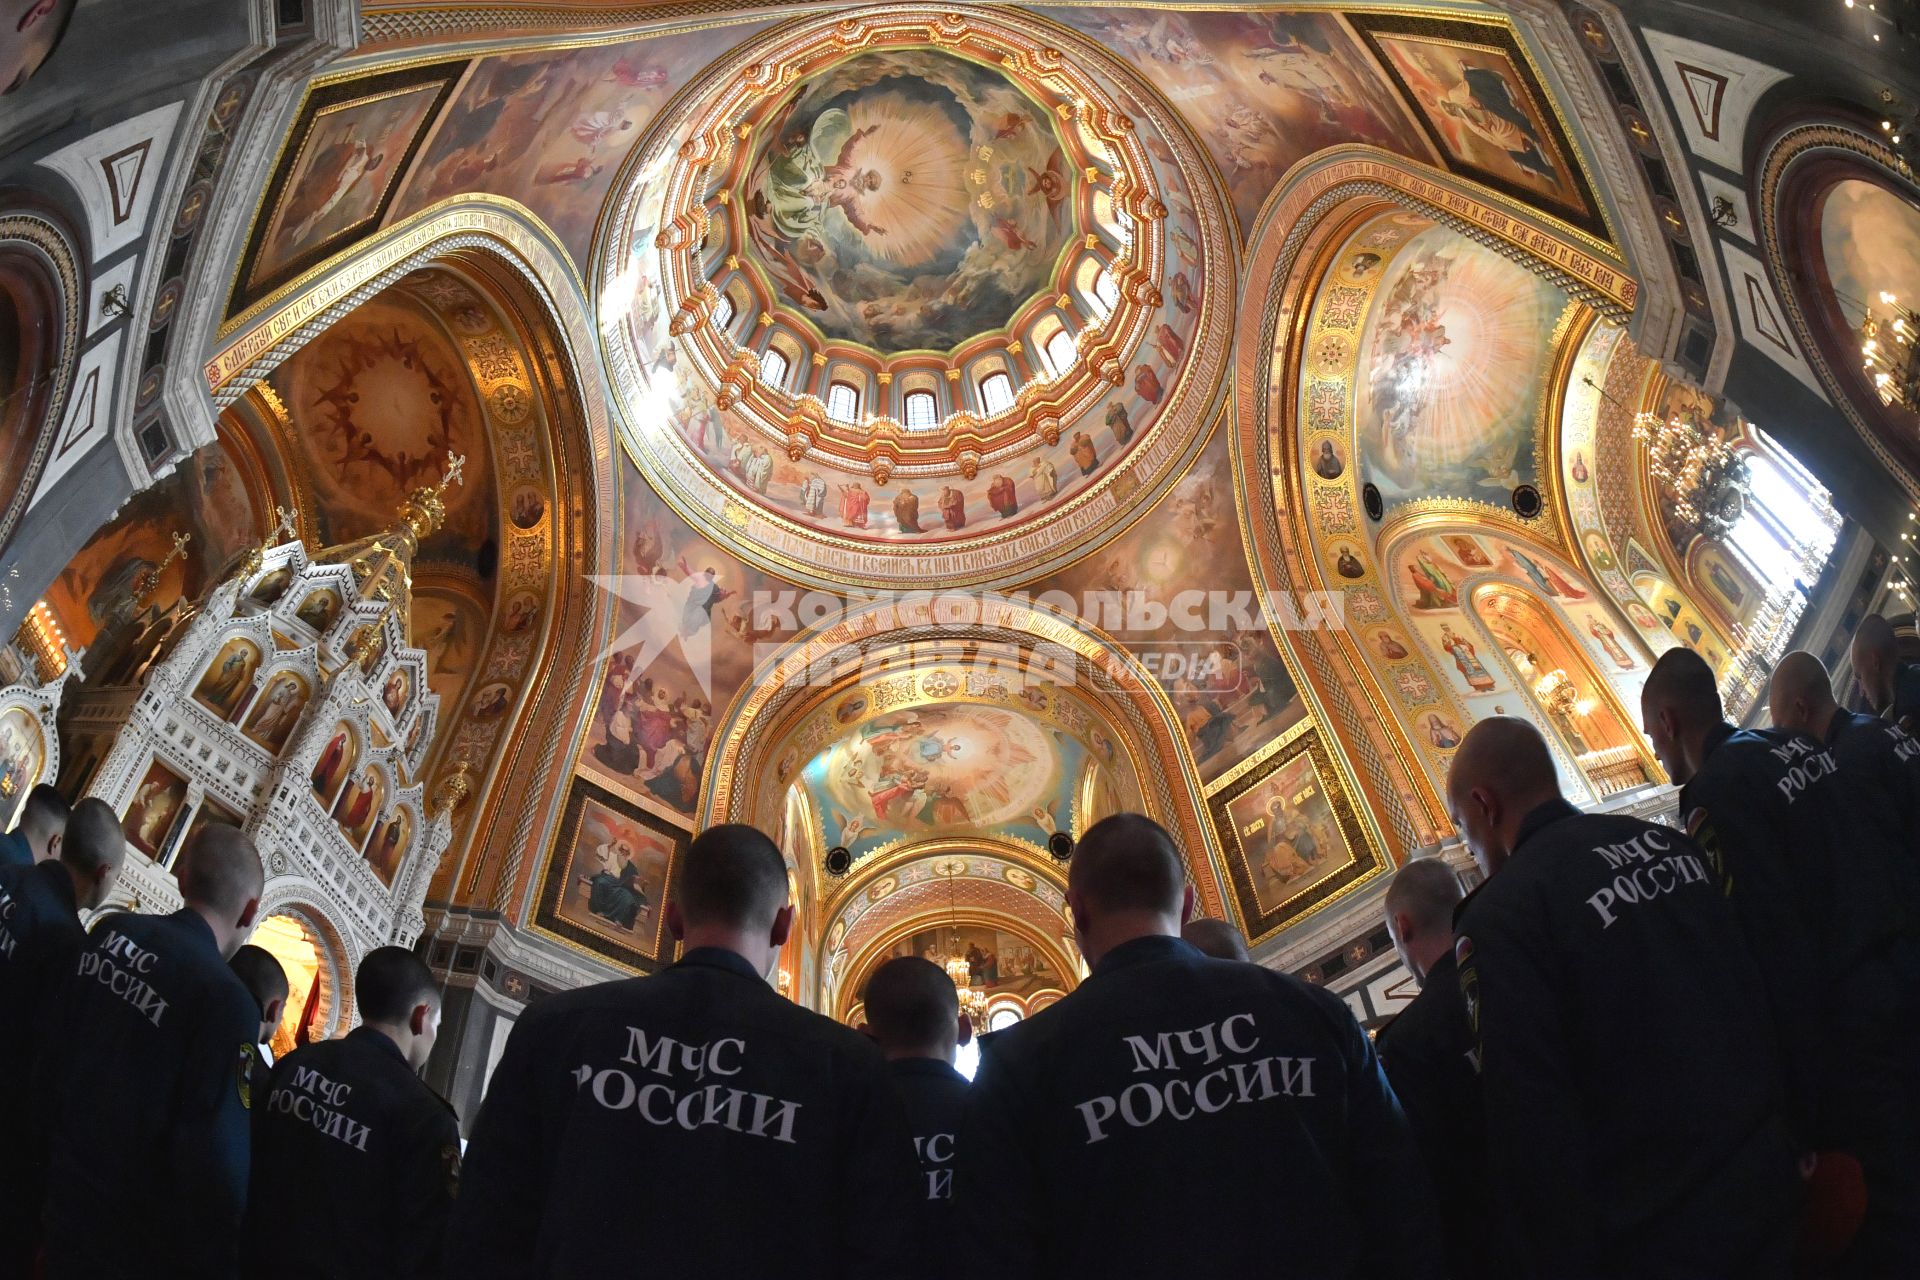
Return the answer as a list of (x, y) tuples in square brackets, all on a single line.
[(1679, 706), (1875, 653), (732, 895), (913, 1009), (1127, 880), (1216, 938), (43, 819), (1800, 695), (1501, 773), (1419, 909), (92, 849), (220, 877)]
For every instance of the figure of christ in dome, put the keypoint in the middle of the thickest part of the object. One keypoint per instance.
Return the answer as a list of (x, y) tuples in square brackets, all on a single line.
[(1001, 496), (1604, 634), (854, 500), (1466, 659), (906, 511), (953, 507)]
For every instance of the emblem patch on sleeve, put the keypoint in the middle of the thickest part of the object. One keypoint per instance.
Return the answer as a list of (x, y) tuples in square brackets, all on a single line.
[(243, 1075), (1696, 819)]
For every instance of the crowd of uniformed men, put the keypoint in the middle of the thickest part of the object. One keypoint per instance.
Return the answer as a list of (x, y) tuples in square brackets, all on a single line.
[(1639, 1051)]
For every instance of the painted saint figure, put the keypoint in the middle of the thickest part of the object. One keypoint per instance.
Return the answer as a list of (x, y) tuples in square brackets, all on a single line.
[(1466, 659), (854, 500), (1046, 481), (1001, 496), (953, 507), (906, 511), (1604, 634)]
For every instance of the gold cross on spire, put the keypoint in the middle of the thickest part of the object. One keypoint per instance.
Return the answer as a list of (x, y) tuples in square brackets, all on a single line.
[(456, 469)]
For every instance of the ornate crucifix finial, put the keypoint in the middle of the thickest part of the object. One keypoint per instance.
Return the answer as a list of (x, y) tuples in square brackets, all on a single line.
[(148, 580), (456, 470)]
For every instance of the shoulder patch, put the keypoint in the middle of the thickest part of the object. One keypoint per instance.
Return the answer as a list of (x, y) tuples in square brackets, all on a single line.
[(1695, 819), (243, 1075), (1462, 949)]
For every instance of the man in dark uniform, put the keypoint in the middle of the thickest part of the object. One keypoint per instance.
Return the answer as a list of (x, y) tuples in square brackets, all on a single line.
[(1803, 859), (349, 1125), (1215, 938), (1891, 685), (40, 941), (267, 982), (1428, 1053), (1877, 753), (1178, 1115), (148, 1081), (694, 1119), (1632, 1093), (36, 836), (913, 1014)]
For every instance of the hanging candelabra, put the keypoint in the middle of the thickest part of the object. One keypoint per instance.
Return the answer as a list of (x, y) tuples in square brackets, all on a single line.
[(973, 999), (1705, 475), (1889, 355)]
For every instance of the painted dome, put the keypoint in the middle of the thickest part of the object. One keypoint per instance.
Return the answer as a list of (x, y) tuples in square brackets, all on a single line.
[(916, 295)]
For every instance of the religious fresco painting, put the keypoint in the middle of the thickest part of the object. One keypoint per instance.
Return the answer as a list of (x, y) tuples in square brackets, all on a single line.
[(552, 128), (277, 710), (154, 809), (1267, 89), (1231, 690), (228, 679), (209, 813), (23, 758), (389, 845), (381, 398), (336, 760), (943, 768), (1453, 370), (908, 198), (340, 170), (100, 593), (651, 731), (1293, 838), (607, 878), (999, 962), (1483, 108)]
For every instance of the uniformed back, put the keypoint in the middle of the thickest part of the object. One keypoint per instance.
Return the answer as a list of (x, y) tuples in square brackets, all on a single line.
[(934, 1096), (1180, 1115), (1886, 758), (1621, 1023), (346, 1124), (149, 1079), (40, 938), (694, 1121)]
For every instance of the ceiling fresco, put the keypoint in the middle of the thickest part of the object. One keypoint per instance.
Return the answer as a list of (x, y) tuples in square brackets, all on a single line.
[(1455, 365), (1264, 90), (896, 199), (1869, 242), (907, 198)]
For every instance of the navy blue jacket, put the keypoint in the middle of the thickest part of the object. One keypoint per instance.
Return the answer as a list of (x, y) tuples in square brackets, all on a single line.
[(14, 850), (347, 1124), (694, 1123), (149, 1088), (1429, 1054), (934, 1096), (1631, 1082), (1178, 1115), (1886, 758), (1804, 861)]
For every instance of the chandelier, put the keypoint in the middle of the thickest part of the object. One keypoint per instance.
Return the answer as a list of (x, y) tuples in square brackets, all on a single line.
[(1706, 475), (973, 1000), (1557, 692), (1889, 355)]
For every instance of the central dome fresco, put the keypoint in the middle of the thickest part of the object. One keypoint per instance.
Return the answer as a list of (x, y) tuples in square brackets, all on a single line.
[(919, 295), (907, 199)]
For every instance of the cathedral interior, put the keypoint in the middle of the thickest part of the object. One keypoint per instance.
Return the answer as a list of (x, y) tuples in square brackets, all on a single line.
[(474, 446)]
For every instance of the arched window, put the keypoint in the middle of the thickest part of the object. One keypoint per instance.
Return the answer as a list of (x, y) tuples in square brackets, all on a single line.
[(1105, 291), (1789, 523), (723, 314), (996, 392), (843, 402), (773, 368), (1061, 352), (923, 411)]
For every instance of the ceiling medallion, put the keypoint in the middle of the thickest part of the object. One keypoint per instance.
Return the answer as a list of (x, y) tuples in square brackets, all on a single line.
[(894, 290)]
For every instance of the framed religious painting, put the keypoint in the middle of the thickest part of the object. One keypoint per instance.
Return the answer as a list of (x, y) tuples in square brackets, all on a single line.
[(1293, 839), (607, 876), (339, 170), (1481, 104)]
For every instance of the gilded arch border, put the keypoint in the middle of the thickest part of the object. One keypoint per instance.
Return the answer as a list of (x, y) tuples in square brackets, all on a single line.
[(1319, 202)]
